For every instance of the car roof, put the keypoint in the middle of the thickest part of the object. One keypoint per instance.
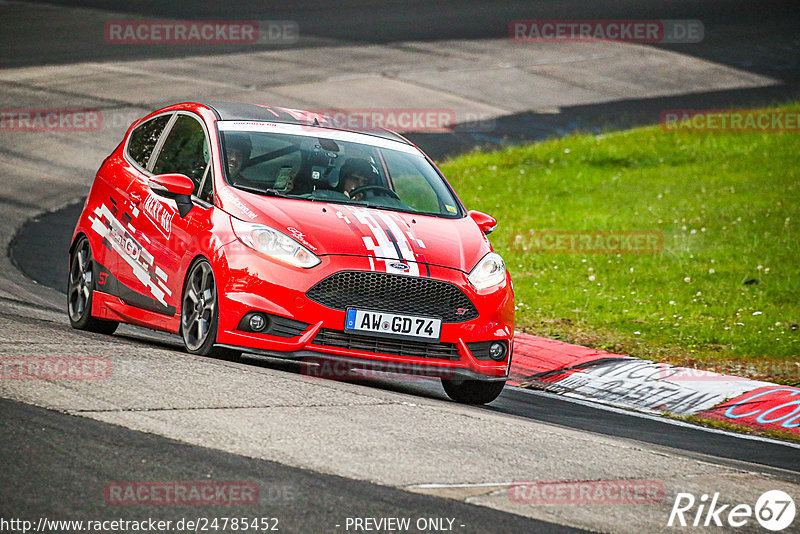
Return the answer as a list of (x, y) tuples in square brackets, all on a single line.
[(231, 111)]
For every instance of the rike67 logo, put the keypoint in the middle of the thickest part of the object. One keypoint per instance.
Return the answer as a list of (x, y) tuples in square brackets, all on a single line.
[(774, 510)]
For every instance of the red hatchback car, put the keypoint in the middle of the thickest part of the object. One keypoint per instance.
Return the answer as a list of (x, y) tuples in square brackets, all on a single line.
[(247, 228)]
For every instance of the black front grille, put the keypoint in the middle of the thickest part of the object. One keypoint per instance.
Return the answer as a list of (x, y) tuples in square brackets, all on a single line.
[(383, 345), (395, 294), (285, 327), (480, 349)]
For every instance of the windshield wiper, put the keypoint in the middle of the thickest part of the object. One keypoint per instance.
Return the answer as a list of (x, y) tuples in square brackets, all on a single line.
[(383, 207), (267, 192), (270, 192)]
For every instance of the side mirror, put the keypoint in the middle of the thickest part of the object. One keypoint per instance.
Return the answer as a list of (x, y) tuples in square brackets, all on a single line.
[(175, 186), (485, 222)]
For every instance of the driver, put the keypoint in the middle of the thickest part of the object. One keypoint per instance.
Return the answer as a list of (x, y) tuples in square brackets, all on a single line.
[(237, 153), (355, 173)]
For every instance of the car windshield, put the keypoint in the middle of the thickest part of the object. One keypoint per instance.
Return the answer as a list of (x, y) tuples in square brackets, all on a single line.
[(340, 167)]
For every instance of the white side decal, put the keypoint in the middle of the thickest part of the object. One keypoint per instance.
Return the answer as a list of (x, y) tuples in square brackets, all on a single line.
[(159, 213), (129, 249)]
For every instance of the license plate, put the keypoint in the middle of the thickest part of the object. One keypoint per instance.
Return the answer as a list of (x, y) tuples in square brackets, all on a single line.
[(392, 324)]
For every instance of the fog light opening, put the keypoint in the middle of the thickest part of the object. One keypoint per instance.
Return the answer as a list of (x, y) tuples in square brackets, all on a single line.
[(257, 322), (497, 351)]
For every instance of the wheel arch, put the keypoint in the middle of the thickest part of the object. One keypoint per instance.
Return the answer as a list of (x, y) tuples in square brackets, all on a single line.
[(198, 257), (77, 237)]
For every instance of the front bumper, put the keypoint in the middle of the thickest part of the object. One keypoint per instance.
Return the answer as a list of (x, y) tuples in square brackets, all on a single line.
[(256, 283)]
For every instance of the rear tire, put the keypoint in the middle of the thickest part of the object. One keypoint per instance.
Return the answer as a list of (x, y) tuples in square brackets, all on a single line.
[(200, 313), (80, 291), (473, 391)]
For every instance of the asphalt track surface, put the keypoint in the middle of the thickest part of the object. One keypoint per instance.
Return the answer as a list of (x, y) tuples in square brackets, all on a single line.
[(732, 26), (756, 37), (41, 243), (302, 501), (55, 464)]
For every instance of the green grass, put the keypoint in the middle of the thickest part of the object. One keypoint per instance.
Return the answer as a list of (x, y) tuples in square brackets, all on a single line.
[(728, 206)]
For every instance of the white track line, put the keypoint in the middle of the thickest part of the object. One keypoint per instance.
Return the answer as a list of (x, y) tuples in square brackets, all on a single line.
[(476, 485)]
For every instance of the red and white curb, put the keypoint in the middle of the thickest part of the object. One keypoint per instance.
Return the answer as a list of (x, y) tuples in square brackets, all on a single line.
[(619, 380)]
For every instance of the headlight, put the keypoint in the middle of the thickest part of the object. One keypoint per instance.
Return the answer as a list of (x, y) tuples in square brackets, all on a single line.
[(272, 243), (490, 271)]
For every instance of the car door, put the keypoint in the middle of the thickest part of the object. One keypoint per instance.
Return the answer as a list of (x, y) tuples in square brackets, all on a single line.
[(119, 250), (163, 236)]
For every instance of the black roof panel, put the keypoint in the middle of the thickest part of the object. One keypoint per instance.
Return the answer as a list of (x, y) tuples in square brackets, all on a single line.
[(230, 111)]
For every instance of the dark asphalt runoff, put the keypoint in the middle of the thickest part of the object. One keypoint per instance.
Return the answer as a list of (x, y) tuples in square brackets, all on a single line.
[(57, 467)]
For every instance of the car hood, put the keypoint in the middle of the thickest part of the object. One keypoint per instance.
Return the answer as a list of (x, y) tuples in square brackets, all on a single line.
[(390, 237)]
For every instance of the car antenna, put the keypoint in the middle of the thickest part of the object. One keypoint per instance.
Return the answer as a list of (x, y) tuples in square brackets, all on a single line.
[(316, 121)]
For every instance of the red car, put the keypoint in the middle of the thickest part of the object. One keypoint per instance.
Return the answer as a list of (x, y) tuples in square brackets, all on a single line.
[(247, 228)]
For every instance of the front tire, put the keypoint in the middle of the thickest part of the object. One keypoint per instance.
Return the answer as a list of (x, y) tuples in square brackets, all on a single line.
[(80, 291), (200, 313), (472, 391)]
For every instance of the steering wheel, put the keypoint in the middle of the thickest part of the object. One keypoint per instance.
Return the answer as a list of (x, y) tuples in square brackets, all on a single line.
[(385, 190)]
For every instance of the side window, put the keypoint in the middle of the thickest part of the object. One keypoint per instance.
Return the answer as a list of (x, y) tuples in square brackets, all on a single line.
[(144, 139), (185, 151)]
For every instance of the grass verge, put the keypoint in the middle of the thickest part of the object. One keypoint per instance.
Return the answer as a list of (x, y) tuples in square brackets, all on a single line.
[(723, 292)]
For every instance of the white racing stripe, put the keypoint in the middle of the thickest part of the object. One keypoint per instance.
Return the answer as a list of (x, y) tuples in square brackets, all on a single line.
[(409, 231), (407, 253), (382, 247)]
